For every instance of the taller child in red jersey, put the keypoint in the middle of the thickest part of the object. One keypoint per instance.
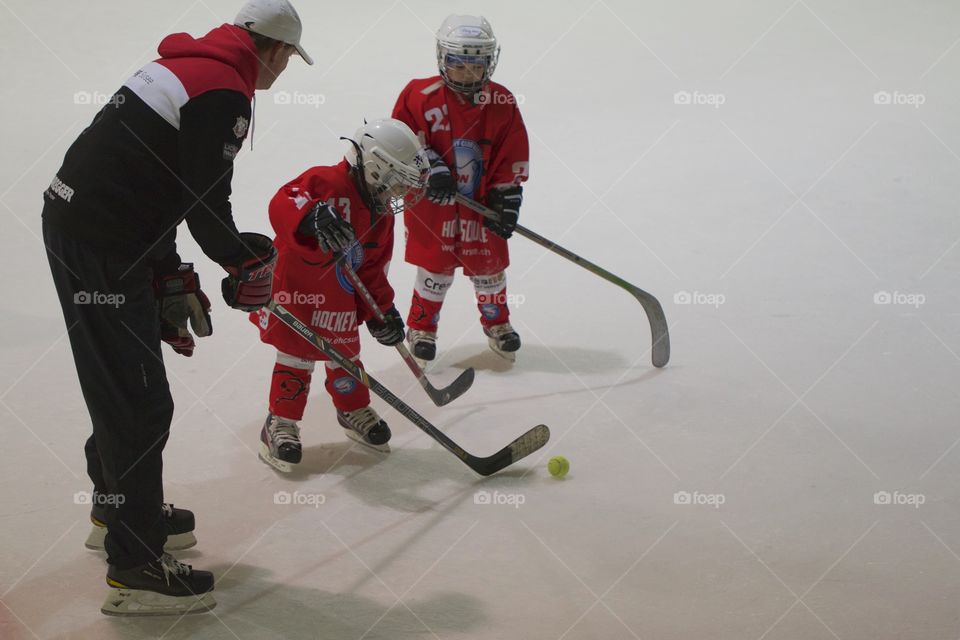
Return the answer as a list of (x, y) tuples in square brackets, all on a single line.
[(477, 145)]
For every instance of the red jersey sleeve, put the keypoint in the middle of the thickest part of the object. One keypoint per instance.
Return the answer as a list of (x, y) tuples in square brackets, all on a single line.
[(510, 157), (287, 209), (373, 271)]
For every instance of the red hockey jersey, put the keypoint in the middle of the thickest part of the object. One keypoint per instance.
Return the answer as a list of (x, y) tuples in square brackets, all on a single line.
[(308, 282), (485, 145)]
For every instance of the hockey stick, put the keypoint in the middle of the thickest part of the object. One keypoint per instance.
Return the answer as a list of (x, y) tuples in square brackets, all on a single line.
[(516, 450), (440, 397), (660, 353)]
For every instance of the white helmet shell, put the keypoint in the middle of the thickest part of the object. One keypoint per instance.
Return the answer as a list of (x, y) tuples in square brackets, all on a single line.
[(470, 36), (392, 163)]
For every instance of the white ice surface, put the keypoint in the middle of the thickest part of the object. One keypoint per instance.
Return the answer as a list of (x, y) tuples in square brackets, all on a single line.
[(796, 400)]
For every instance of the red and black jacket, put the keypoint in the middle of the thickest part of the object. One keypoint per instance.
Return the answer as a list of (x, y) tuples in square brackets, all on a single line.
[(162, 151)]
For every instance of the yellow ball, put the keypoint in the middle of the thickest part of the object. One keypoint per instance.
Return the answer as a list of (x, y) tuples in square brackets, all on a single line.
[(558, 466)]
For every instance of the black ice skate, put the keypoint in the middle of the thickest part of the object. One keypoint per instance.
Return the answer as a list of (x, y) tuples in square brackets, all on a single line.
[(423, 346), (180, 525), (503, 340), (280, 443), (366, 427), (162, 587)]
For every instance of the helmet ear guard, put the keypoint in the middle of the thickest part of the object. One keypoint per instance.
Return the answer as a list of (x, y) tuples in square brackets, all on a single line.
[(354, 158)]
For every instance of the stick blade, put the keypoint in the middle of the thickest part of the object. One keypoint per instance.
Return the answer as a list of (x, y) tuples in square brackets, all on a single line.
[(660, 354), (454, 390), (660, 351), (520, 448)]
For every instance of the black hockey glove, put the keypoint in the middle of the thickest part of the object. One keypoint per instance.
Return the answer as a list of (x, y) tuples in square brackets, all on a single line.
[(441, 187), (332, 232), (179, 300), (390, 332), (506, 202), (250, 282)]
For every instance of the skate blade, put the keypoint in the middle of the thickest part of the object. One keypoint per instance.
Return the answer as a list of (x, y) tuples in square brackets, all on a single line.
[(509, 356), (379, 448), (276, 463), (178, 542), (95, 540), (140, 602)]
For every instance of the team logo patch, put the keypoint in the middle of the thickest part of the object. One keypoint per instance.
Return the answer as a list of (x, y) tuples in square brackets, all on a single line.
[(240, 128), (490, 311), (469, 159), (355, 257), (344, 386)]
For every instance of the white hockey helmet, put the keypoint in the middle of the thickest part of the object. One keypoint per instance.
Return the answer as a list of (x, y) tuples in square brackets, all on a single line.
[(275, 19), (466, 40), (392, 164)]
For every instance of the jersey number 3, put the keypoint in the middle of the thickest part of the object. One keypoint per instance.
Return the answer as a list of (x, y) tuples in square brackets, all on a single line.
[(342, 206)]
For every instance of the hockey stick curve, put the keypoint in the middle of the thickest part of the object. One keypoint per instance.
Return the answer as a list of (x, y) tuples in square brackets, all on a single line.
[(440, 397), (520, 448), (660, 352)]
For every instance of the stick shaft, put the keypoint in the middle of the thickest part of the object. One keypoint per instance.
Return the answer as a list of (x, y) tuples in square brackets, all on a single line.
[(660, 352)]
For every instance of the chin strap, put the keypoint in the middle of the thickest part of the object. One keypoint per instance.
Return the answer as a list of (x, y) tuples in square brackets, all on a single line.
[(372, 204)]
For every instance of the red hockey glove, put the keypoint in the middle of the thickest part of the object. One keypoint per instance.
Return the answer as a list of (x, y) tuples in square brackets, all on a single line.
[(250, 282), (179, 300)]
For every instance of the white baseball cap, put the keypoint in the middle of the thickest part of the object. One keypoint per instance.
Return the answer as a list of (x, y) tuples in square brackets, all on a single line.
[(275, 19)]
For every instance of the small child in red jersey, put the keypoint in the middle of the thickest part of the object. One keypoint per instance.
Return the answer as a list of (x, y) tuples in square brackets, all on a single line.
[(345, 209)]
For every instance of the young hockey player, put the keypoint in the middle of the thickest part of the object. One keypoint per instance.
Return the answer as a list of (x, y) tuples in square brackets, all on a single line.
[(477, 145), (344, 209), (160, 152)]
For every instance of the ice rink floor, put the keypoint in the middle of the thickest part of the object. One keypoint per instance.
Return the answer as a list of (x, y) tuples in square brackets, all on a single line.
[(782, 174)]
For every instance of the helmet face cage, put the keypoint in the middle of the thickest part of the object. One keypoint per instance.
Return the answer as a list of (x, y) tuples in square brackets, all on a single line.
[(394, 185), (448, 52)]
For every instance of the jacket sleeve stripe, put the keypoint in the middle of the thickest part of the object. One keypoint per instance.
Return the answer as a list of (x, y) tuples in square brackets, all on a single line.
[(161, 90)]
